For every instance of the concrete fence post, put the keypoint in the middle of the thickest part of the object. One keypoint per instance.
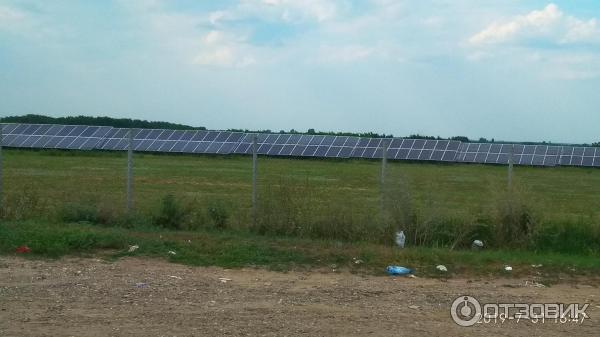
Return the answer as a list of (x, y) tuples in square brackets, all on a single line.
[(254, 174), (130, 171)]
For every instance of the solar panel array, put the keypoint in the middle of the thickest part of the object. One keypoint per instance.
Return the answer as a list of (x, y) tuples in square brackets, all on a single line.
[(536, 155), (81, 137)]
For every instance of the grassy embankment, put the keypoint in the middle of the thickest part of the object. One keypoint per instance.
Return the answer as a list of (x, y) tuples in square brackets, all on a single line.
[(312, 212)]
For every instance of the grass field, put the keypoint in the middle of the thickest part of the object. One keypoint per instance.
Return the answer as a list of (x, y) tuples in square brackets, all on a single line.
[(336, 201), (58, 177)]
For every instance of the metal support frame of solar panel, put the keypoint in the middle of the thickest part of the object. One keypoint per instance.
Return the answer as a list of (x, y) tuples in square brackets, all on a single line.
[(71, 137)]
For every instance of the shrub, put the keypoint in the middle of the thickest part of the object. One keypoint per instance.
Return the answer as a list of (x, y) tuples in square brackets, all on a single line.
[(513, 220), (75, 212), (96, 213), (567, 237), (218, 214), (172, 214)]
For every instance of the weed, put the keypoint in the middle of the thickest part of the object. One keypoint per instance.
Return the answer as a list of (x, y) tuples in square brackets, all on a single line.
[(22, 205), (218, 214), (172, 214), (513, 218)]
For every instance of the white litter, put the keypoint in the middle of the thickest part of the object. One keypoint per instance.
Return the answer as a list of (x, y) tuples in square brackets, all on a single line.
[(508, 268), (441, 267), (400, 239), (133, 248), (172, 252), (534, 284), (175, 277), (477, 244), (224, 280)]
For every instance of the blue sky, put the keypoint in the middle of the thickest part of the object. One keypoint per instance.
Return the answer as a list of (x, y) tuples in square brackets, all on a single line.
[(506, 69)]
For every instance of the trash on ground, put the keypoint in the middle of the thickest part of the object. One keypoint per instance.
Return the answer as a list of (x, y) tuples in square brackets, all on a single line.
[(400, 239), (477, 244), (536, 265), (141, 285), (133, 248), (508, 268), (357, 261), (175, 277), (441, 267), (23, 250), (414, 307), (534, 284), (398, 270), (224, 279), (172, 252)]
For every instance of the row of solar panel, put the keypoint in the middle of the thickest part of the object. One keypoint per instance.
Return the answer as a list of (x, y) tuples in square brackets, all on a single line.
[(542, 155), (225, 142)]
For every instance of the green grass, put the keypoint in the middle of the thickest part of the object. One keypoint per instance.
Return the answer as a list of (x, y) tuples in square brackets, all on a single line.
[(563, 193), (301, 199), (236, 249)]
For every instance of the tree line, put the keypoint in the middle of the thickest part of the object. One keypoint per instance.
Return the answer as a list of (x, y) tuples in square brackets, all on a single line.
[(97, 121), (144, 124)]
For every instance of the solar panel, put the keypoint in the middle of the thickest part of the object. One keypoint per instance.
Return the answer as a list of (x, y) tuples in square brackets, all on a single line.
[(275, 149), (82, 137), (310, 150), (298, 150), (179, 145)]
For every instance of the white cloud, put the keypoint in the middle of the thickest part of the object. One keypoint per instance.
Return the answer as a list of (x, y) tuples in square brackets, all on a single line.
[(213, 37), (221, 49), (291, 10), (14, 20), (185, 35), (549, 23), (223, 56), (10, 15), (581, 31)]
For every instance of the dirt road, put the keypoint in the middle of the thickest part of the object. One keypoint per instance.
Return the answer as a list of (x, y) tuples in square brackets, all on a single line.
[(146, 297)]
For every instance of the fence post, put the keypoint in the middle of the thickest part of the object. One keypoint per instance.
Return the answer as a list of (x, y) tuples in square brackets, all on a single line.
[(510, 165), (130, 171), (254, 173), (1, 172), (384, 150)]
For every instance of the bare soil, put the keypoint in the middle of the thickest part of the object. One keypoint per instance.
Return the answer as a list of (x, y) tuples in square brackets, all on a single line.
[(149, 297)]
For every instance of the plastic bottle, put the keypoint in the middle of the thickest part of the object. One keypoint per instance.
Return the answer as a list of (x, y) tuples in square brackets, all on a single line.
[(400, 239), (397, 270)]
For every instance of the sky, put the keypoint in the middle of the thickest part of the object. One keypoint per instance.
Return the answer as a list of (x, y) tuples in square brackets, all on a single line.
[(504, 69)]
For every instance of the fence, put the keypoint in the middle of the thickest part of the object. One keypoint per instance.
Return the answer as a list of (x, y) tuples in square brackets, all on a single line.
[(137, 141), (31, 136)]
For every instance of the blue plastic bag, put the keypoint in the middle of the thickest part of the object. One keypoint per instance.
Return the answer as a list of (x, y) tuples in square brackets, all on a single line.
[(397, 270)]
